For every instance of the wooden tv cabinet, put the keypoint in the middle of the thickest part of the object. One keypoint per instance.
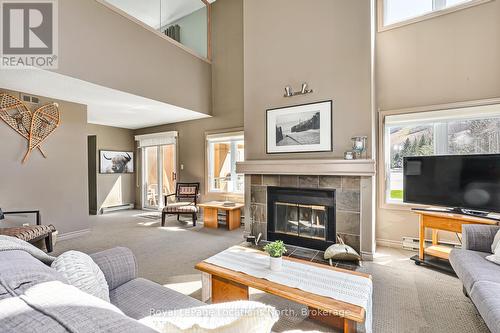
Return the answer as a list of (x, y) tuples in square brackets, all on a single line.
[(441, 221)]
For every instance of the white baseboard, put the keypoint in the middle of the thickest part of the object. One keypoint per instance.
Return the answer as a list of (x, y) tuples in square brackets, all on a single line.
[(366, 256), (390, 243), (110, 209), (73, 234)]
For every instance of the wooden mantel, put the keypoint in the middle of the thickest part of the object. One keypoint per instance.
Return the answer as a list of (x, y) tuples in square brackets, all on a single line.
[(334, 167)]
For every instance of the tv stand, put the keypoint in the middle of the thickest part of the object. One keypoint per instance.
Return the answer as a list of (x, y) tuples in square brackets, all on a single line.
[(460, 211), (441, 220)]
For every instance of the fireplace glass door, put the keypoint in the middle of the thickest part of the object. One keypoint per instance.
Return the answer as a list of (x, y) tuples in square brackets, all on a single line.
[(301, 217), (301, 220)]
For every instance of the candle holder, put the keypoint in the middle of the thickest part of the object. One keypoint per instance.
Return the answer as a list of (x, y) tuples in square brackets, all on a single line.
[(359, 146)]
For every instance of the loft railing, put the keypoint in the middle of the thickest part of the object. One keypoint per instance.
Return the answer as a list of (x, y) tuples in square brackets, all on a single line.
[(187, 22)]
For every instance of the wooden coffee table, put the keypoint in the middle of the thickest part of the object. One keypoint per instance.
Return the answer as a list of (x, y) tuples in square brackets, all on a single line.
[(210, 211), (227, 285)]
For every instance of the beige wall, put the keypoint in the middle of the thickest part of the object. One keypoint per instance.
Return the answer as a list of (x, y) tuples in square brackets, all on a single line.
[(100, 46), (325, 43), (450, 58), (57, 186), (227, 93), (113, 189)]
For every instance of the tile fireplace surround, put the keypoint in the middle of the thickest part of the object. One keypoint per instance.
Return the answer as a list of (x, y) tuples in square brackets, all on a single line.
[(353, 182)]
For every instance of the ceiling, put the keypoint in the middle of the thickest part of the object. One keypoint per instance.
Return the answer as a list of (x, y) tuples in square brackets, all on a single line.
[(105, 106), (158, 13)]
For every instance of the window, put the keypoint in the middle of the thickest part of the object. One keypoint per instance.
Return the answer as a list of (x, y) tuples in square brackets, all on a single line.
[(224, 150), (474, 130), (397, 11)]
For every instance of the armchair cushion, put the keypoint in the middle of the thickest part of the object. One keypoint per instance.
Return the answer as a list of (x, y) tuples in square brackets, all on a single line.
[(140, 298), (472, 266), (118, 265), (485, 295), (181, 207)]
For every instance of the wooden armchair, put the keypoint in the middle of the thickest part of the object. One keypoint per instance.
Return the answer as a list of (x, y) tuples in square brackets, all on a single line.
[(186, 202)]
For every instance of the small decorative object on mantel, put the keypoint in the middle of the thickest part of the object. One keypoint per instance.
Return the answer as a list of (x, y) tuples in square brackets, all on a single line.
[(34, 127), (349, 155), (359, 146), (341, 251), (303, 91), (275, 250), (300, 128)]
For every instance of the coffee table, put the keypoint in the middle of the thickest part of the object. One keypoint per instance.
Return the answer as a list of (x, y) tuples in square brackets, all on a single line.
[(210, 211), (229, 285)]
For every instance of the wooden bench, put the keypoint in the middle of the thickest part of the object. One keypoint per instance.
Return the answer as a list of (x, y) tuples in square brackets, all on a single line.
[(31, 233)]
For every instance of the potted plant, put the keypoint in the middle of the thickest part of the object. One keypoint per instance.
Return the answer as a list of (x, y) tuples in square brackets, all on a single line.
[(276, 250)]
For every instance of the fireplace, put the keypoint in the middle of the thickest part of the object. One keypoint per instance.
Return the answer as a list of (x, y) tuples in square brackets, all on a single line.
[(302, 217)]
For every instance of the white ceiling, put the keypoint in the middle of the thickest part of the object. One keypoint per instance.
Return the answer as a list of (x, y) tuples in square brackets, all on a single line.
[(158, 13), (105, 106)]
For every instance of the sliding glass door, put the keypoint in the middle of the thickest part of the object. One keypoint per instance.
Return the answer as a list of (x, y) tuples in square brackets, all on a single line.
[(158, 174)]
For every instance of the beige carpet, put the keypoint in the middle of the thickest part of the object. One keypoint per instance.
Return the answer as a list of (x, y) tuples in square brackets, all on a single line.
[(407, 298)]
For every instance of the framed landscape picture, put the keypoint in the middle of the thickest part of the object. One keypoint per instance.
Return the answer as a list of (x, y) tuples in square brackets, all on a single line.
[(111, 161), (299, 129)]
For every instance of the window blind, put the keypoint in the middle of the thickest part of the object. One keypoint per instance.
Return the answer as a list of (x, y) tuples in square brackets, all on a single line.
[(156, 139)]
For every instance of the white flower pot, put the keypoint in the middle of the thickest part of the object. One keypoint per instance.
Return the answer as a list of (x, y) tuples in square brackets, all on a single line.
[(275, 264)]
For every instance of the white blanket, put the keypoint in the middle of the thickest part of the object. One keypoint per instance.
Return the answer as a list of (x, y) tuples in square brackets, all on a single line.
[(345, 287), (8, 243)]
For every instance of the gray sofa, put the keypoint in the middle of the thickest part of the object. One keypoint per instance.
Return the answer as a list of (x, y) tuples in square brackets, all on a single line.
[(480, 277), (136, 297)]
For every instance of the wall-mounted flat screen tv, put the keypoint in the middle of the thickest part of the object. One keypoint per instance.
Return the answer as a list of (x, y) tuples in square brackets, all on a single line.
[(469, 182)]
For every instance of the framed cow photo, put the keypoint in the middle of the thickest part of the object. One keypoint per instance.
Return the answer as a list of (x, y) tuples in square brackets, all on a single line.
[(302, 128), (111, 161)]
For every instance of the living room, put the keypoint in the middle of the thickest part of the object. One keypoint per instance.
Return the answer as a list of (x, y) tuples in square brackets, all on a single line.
[(176, 141)]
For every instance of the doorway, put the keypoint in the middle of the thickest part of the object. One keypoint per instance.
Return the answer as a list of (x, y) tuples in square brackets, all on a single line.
[(159, 174), (92, 173)]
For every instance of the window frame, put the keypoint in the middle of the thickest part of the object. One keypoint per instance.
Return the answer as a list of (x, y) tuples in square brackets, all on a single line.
[(380, 14), (229, 132), (382, 163)]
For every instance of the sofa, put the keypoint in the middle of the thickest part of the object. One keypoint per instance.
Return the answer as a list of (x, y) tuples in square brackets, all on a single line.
[(135, 297), (480, 277)]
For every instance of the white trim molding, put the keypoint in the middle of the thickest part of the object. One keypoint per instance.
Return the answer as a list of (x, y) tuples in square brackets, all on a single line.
[(73, 234), (390, 243), (423, 17)]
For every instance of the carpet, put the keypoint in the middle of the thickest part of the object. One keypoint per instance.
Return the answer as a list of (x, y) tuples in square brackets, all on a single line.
[(407, 298)]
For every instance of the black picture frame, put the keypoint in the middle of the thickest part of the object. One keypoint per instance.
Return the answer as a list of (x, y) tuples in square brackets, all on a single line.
[(329, 129)]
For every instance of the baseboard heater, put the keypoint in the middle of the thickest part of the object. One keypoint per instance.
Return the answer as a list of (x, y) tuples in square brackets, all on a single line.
[(110, 209), (410, 243)]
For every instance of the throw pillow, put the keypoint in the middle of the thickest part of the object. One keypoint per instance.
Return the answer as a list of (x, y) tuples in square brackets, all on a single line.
[(495, 257), (496, 240), (82, 272), (240, 316)]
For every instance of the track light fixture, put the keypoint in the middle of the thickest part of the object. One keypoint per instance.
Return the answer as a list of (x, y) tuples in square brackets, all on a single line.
[(303, 90)]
